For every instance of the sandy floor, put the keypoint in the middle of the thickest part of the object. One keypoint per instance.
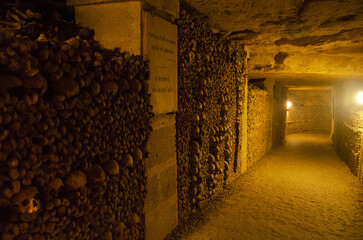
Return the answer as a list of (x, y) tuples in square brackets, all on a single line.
[(301, 190)]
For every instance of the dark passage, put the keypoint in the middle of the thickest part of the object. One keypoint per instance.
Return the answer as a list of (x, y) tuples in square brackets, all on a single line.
[(301, 190)]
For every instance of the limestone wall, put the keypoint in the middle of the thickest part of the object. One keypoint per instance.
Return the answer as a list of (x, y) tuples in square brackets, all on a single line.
[(259, 123), (211, 90), (310, 111)]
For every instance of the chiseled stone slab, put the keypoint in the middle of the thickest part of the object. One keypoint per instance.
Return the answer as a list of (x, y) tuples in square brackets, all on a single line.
[(161, 144), (160, 223), (160, 47), (168, 183), (161, 188), (116, 24), (152, 200), (161, 204)]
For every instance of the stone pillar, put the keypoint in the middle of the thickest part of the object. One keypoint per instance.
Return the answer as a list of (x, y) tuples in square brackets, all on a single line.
[(244, 132), (145, 27), (161, 206), (279, 114)]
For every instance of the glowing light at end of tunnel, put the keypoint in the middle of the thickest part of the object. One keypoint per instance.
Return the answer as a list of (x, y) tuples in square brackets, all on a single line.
[(360, 97), (288, 105)]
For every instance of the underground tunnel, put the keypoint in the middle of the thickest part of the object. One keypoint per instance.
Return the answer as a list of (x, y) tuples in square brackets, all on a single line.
[(179, 119)]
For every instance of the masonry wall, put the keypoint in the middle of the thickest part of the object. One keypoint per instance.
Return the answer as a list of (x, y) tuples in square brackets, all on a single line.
[(211, 90), (260, 101), (74, 123), (310, 111), (348, 126)]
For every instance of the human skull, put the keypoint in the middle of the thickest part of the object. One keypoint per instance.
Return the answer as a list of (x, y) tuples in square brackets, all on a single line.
[(25, 201)]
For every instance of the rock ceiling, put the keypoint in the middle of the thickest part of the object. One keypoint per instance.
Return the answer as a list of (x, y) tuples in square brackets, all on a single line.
[(322, 37)]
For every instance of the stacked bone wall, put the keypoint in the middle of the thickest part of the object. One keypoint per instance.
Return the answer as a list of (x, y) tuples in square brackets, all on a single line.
[(74, 122), (259, 123), (310, 111), (211, 80), (348, 126), (352, 139)]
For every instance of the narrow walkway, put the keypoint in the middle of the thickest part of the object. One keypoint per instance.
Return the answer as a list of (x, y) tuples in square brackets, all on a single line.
[(300, 191)]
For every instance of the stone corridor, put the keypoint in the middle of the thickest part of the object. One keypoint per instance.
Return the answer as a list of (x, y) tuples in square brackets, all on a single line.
[(166, 119), (301, 190)]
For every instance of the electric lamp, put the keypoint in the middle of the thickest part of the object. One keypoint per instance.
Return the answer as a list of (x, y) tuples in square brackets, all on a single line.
[(360, 97)]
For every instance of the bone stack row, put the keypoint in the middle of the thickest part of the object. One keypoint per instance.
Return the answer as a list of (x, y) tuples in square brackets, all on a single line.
[(74, 122), (211, 70)]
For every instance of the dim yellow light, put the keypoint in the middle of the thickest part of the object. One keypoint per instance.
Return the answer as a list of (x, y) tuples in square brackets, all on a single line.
[(288, 105), (360, 97)]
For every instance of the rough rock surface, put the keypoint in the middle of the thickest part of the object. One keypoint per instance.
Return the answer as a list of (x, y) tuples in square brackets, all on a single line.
[(293, 36)]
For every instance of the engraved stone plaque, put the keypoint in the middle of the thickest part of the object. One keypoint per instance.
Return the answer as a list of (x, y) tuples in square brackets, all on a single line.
[(160, 47)]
